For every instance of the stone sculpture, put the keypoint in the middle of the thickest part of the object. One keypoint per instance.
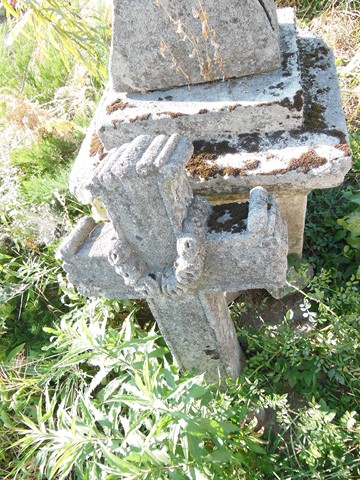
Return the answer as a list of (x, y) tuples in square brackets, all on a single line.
[(284, 130), (168, 246), (254, 105)]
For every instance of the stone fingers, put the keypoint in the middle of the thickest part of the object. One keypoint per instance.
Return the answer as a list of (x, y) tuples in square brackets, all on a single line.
[(74, 241), (126, 165), (158, 154), (103, 176), (258, 210), (149, 285)]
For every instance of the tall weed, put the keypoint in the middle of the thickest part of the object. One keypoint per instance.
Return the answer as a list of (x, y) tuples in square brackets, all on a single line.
[(110, 405)]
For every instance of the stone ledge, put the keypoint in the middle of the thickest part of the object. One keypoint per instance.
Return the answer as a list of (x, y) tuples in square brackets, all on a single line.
[(293, 167)]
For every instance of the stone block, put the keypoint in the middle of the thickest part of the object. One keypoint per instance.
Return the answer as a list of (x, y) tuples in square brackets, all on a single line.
[(303, 154), (259, 103), (161, 44)]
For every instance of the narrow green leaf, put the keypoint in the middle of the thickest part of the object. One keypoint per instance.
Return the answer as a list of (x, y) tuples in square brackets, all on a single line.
[(114, 461), (14, 352)]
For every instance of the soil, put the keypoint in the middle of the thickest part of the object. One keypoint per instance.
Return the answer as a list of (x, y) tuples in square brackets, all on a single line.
[(234, 107), (203, 165), (263, 309), (174, 114)]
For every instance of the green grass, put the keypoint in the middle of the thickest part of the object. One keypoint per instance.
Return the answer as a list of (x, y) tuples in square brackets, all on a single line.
[(44, 168), (310, 8), (26, 70)]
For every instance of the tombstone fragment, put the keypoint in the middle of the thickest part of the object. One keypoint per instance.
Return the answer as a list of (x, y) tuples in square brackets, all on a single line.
[(255, 110), (284, 130), (161, 43), (170, 247)]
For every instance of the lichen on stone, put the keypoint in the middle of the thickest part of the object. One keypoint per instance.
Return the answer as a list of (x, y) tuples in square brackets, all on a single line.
[(306, 162), (139, 118), (229, 218), (345, 148), (97, 147), (202, 164), (117, 105)]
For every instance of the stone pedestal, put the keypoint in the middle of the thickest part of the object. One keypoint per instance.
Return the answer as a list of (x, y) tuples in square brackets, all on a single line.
[(283, 130)]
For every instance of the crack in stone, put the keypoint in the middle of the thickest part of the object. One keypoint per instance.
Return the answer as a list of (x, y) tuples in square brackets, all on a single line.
[(267, 14)]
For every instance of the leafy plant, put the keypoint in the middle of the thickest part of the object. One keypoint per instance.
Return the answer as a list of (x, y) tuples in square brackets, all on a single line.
[(46, 156), (110, 404), (63, 26), (28, 293), (309, 8), (104, 400)]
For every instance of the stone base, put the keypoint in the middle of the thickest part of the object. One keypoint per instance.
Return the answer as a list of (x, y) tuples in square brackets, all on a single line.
[(259, 103), (290, 157)]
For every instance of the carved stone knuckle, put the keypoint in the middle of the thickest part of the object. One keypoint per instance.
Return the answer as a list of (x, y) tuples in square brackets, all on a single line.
[(187, 247), (131, 270), (148, 285), (189, 275), (120, 253)]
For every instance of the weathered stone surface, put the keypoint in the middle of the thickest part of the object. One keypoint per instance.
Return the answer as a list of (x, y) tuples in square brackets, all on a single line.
[(156, 197), (322, 133), (169, 247), (259, 103), (246, 132), (280, 170), (263, 266), (161, 44), (295, 281), (200, 334)]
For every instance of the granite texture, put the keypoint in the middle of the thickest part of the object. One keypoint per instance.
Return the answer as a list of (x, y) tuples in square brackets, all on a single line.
[(273, 154), (258, 103), (160, 44)]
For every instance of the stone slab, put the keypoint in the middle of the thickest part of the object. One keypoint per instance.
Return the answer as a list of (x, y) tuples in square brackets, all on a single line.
[(258, 103), (282, 168), (323, 135), (160, 44), (205, 338), (316, 156)]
